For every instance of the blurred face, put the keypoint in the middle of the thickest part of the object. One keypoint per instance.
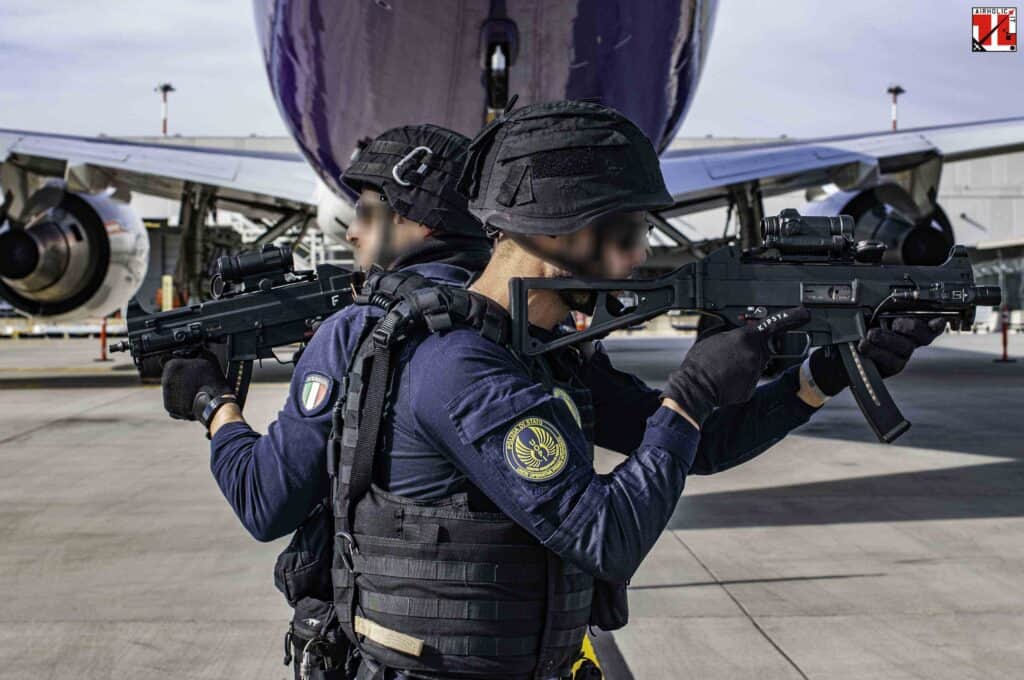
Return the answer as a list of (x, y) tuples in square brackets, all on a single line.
[(610, 247), (621, 241), (378, 234)]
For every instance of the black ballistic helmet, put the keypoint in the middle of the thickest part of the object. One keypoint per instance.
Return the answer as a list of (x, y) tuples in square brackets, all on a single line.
[(552, 168), (416, 168)]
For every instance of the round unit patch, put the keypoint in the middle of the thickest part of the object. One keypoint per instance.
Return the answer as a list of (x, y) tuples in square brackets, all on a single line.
[(562, 394), (315, 390), (535, 449)]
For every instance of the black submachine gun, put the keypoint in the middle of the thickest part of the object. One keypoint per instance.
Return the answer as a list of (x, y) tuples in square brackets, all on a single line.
[(259, 303), (808, 261)]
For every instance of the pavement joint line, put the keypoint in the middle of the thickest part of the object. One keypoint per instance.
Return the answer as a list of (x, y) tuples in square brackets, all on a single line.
[(743, 609), (161, 622), (848, 615), (19, 435), (85, 370), (752, 581), (924, 613)]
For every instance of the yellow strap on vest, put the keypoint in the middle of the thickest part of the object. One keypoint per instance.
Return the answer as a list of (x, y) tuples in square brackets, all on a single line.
[(587, 653), (392, 639)]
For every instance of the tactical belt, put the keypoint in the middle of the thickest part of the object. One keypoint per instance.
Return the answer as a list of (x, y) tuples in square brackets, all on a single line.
[(467, 645)]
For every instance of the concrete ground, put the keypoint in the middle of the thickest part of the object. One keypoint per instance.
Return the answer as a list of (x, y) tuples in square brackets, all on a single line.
[(830, 556)]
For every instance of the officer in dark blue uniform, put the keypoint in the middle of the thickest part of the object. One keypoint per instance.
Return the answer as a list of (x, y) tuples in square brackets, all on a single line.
[(475, 539), (408, 217)]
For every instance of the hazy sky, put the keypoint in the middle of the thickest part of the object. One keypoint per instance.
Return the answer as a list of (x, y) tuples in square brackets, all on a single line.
[(803, 68)]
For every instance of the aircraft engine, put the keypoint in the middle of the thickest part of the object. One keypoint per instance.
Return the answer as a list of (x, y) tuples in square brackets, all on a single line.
[(333, 213), (72, 255), (887, 213)]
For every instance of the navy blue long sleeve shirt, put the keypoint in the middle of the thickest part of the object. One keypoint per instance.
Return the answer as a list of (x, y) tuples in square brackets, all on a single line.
[(458, 399), (273, 481)]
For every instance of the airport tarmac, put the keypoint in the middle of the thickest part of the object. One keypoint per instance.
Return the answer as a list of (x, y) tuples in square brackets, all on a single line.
[(830, 556)]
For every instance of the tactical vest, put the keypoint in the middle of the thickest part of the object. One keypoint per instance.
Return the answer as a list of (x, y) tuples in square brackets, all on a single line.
[(441, 587)]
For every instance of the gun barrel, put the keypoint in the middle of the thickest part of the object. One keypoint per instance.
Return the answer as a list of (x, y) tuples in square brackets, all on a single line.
[(955, 296), (988, 296)]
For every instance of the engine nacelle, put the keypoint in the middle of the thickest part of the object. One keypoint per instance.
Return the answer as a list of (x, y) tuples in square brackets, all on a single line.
[(887, 213), (333, 213), (77, 256)]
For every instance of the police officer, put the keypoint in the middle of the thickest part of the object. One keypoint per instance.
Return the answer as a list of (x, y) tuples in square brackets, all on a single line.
[(408, 216), (486, 542)]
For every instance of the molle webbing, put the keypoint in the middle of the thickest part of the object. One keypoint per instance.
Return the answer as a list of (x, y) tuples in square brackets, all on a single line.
[(441, 590)]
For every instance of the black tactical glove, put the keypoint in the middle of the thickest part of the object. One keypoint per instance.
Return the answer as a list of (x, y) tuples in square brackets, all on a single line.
[(723, 368), (189, 385), (889, 348)]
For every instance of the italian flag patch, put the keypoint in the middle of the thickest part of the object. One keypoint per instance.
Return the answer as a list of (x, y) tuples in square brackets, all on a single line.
[(315, 390)]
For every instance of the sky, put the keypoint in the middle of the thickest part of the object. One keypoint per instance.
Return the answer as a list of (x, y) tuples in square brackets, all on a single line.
[(822, 67), (797, 67)]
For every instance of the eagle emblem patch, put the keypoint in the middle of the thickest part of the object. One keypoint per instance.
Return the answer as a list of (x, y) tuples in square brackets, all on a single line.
[(535, 450)]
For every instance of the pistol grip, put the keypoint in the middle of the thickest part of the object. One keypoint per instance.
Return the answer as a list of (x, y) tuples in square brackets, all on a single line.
[(873, 398)]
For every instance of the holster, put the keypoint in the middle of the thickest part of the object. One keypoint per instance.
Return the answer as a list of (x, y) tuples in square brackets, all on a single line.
[(315, 641), (303, 569)]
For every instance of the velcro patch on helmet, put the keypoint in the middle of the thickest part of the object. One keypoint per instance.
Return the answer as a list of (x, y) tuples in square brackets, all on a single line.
[(517, 188)]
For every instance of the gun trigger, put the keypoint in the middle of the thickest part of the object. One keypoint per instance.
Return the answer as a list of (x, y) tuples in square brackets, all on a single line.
[(790, 345)]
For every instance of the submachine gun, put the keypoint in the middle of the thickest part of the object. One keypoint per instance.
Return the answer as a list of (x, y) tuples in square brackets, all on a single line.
[(808, 261), (259, 303)]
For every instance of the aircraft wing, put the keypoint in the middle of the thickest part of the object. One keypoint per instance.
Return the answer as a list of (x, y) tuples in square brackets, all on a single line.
[(251, 182), (700, 179), (1001, 252)]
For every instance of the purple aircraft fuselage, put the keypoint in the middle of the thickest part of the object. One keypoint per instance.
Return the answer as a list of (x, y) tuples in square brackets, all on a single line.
[(342, 70)]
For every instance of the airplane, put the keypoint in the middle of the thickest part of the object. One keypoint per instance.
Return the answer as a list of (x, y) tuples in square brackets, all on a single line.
[(73, 247), (344, 70)]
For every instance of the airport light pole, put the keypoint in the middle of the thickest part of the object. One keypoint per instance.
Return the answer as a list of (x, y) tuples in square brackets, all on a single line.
[(164, 89), (895, 91)]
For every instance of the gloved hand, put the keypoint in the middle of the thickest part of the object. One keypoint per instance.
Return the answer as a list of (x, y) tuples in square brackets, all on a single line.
[(890, 349), (723, 368), (189, 385)]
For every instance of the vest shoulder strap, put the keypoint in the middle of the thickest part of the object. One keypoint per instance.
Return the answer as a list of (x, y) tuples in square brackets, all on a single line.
[(414, 305)]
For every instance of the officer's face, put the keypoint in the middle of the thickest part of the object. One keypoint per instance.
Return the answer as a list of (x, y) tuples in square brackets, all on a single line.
[(621, 240), (610, 247), (378, 234)]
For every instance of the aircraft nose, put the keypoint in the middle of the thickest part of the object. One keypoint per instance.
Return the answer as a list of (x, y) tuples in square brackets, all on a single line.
[(19, 254)]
